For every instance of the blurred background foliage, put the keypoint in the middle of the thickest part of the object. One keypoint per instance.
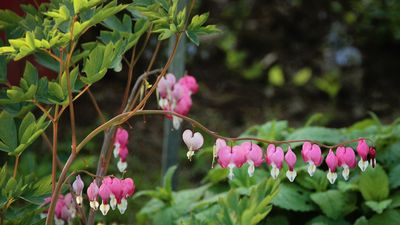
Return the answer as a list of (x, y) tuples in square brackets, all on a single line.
[(313, 63)]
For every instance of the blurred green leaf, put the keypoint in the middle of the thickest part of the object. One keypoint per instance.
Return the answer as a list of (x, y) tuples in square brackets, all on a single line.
[(334, 204), (374, 184), (293, 197), (379, 206), (302, 76), (276, 76)]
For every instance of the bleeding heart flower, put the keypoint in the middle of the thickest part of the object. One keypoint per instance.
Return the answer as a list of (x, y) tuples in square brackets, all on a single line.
[(332, 162), (165, 84), (105, 193), (92, 192), (346, 159), (274, 158), (231, 158), (312, 155), (122, 163), (372, 155), (362, 150), (189, 82), (192, 141), (77, 186), (254, 156), (290, 159), (121, 140)]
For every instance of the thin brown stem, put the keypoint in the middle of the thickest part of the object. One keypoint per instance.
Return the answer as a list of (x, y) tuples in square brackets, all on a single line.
[(130, 76), (16, 165), (154, 56), (45, 111), (96, 106)]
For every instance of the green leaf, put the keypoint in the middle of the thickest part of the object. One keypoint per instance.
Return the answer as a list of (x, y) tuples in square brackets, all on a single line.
[(193, 37), (388, 217), (320, 134), (293, 197), (394, 177), (30, 74), (3, 66), (167, 184), (374, 184), (379, 206), (77, 6), (8, 132), (333, 203), (28, 120), (276, 76), (302, 76), (56, 91), (3, 174)]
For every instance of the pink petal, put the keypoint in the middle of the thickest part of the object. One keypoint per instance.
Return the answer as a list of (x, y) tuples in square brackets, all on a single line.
[(332, 161), (363, 149), (290, 159)]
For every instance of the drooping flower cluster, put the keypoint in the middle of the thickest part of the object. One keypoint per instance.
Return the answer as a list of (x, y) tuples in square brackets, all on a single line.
[(247, 152), (65, 209), (113, 193), (176, 96), (121, 148)]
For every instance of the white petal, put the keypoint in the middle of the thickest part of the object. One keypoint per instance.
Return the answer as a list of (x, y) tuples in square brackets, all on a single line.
[(189, 154), (122, 206), (176, 122), (274, 172), (373, 162), (58, 221), (122, 166), (231, 166), (113, 202), (345, 172), (331, 177), (363, 165), (116, 150), (291, 175), (311, 168), (79, 200), (94, 205), (104, 208), (251, 168)]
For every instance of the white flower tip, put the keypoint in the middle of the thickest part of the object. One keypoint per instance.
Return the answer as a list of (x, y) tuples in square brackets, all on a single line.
[(251, 169), (190, 154), (291, 175), (231, 175), (274, 172), (176, 122), (363, 165), (116, 150), (331, 177), (311, 169), (104, 208), (94, 205), (58, 221), (122, 166), (79, 200), (345, 173), (113, 202), (122, 206)]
